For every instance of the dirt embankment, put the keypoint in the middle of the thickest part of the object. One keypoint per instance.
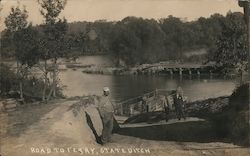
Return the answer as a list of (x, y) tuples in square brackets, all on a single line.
[(46, 126), (62, 127)]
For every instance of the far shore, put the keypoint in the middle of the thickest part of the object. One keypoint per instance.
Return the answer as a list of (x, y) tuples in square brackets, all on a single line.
[(170, 68)]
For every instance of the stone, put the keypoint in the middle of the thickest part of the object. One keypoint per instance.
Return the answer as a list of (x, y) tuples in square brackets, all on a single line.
[(1, 106), (10, 106)]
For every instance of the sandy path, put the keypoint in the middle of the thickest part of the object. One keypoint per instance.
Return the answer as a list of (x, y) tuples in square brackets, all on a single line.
[(59, 128)]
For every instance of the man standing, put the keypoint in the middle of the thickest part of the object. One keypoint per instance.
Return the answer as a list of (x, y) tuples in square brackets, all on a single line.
[(179, 103), (145, 104), (106, 111), (166, 107)]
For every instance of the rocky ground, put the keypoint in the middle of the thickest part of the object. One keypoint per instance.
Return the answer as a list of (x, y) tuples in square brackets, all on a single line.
[(207, 107), (61, 128)]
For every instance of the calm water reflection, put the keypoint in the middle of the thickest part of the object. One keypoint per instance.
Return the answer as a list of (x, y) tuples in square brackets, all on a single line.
[(123, 87)]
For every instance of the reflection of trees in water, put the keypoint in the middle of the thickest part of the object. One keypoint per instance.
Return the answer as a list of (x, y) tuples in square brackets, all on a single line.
[(125, 87)]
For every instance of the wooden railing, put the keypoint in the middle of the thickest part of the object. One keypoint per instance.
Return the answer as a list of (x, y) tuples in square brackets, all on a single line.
[(139, 104)]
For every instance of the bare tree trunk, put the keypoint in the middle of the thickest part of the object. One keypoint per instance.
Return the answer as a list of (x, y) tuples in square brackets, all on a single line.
[(247, 14), (20, 80), (180, 53), (54, 83), (54, 78), (21, 89), (45, 80), (246, 7)]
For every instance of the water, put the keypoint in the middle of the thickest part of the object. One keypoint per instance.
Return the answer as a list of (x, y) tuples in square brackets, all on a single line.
[(124, 87)]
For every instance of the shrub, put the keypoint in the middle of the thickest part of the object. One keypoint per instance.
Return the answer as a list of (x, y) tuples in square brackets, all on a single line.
[(239, 103), (32, 86), (8, 81), (232, 122), (240, 97)]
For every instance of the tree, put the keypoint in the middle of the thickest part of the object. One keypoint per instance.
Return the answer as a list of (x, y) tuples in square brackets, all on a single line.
[(17, 21), (125, 45), (26, 41), (246, 7), (54, 30), (232, 44), (137, 40), (7, 47)]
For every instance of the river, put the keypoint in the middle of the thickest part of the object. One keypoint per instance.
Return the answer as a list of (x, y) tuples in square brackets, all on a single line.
[(123, 87)]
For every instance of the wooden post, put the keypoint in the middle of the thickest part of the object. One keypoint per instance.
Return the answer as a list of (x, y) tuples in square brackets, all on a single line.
[(121, 109), (246, 6), (180, 71), (190, 72), (131, 110), (198, 73), (210, 74), (171, 72)]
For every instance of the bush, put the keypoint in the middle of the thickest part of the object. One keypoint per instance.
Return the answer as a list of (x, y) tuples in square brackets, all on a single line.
[(239, 128), (8, 81), (32, 86), (33, 89), (240, 98), (232, 122), (239, 103)]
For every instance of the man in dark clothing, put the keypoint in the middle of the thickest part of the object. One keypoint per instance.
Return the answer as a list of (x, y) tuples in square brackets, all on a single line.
[(179, 103), (145, 106)]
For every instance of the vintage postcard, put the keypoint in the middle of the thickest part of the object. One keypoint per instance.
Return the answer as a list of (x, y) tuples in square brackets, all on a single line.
[(124, 77)]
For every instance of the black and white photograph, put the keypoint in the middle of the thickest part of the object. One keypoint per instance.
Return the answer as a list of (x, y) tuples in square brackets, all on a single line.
[(124, 77)]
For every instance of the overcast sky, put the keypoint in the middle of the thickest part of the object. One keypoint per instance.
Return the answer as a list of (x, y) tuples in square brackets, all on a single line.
[(91, 10)]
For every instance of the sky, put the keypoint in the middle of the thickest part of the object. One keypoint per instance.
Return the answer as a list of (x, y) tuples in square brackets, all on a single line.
[(114, 10)]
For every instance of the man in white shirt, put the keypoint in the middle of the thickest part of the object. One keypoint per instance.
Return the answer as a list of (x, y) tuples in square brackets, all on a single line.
[(106, 111)]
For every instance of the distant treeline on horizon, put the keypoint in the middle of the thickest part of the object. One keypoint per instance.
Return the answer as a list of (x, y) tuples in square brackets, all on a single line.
[(136, 40)]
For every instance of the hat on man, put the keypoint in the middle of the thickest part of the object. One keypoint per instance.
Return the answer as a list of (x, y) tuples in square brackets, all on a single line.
[(106, 89)]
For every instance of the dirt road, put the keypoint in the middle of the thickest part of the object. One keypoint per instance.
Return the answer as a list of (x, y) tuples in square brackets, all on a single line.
[(54, 129)]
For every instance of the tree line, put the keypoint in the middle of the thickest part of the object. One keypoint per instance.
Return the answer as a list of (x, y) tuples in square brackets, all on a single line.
[(136, 40)]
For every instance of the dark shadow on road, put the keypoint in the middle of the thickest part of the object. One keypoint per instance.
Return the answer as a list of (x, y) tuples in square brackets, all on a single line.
[(196, 131)]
